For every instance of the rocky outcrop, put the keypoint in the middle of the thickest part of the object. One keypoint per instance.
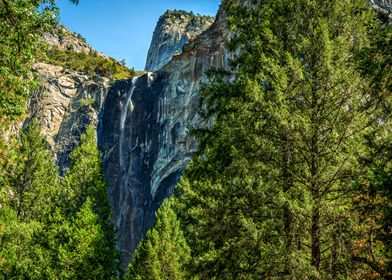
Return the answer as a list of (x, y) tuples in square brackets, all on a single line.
[(62, 39), (174, 29), (384, 6), (64, 105)]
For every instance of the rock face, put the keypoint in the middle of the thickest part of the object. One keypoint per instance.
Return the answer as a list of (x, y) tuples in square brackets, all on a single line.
[(64, 40), (384, 6), (174, 29), (143, 133), (65, 104)]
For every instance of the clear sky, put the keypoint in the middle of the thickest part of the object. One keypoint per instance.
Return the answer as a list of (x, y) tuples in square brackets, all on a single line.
[(123, 28)]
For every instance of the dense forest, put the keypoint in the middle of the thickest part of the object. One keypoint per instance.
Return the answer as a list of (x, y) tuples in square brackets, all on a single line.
[(293, 174)]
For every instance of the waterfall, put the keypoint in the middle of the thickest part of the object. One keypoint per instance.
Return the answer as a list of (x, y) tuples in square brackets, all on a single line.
[(128, 106), (127, 194), (140, 149)]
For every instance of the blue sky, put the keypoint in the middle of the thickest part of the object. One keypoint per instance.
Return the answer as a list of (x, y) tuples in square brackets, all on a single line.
[(123, 28)]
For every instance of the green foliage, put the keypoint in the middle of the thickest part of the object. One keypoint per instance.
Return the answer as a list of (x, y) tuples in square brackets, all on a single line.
[(85, 177), (20, 256), (88, 209), (164, 254), (373, 205), (270, 193), (53, 232), (373, 200), (195, 19), (30, 176), (87, 254), (91, 64), (28, 200), (21, 25)]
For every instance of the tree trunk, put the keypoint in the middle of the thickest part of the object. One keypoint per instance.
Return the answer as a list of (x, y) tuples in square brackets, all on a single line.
[(316, 256), (315, 185), (287, 215)]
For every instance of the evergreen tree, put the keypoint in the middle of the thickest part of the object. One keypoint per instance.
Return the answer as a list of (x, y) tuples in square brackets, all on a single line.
[(164, 254), (85, 176), (89, 252), (270, 193), (372, 201), (30, 177), (20, 256), (52, 233), (28, 204), (88, 213), (374, 242)]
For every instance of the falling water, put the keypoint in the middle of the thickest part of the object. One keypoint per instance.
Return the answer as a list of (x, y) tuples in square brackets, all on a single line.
[(128, 106), (127, 194)]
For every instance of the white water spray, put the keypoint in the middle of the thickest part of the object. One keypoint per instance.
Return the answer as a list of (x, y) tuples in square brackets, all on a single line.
[(127, 107)]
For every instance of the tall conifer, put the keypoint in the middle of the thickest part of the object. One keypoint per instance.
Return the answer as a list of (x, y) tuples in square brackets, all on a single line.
[(31, 177), (29, 192), (164, 254), (270, 193), (88, 212)]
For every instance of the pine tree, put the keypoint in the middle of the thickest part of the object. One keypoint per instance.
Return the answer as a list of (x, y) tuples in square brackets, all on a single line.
[(28, 204), (270, 193), (20, 256), (164, 254), (88, 213), (85, 176), (89, 252), (371, 202), (31, 178), (373, 206)]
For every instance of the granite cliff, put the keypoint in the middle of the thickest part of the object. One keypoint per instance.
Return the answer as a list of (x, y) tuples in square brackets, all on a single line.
[(143, 131), (63, 39), (384, 6), (174, 29), (69, 100), (65, 105)]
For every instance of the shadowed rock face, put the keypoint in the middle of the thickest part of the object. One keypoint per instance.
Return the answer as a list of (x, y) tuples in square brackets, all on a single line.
[(142, 127), (130, 133), (143, 134), (384, 6)]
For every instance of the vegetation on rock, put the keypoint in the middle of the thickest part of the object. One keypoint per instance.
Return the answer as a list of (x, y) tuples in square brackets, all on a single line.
[(90, 64), (181, 13)]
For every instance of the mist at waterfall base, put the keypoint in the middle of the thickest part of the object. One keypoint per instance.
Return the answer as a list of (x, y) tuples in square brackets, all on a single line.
[(123, 28)]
